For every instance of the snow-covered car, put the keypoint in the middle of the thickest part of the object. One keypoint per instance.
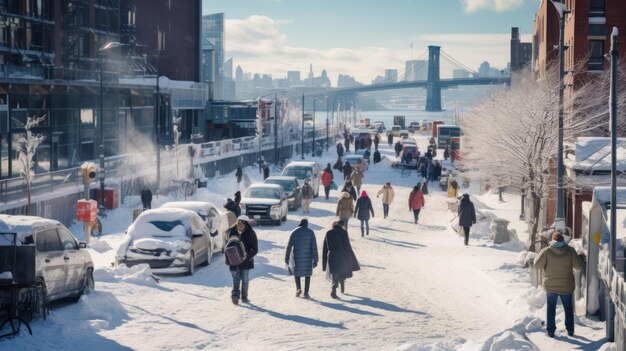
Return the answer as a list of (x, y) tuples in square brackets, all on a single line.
[(265, 202), (169, 240), (303, 170), (356, 161), (414, 127), (291, 187), (215, 220), (52, 257)]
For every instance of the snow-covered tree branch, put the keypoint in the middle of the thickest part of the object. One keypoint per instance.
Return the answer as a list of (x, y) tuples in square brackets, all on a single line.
[(27, 147)]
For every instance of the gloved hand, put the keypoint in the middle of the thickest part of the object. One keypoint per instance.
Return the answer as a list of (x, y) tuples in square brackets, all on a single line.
[(314, 264)]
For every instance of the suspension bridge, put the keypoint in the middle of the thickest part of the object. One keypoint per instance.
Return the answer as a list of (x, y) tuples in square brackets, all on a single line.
[(433, 84)]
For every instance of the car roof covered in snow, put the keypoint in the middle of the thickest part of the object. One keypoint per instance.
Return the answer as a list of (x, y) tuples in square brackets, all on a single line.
[(23, 225), (301, 164), (281, 178), (266, 186), (143, 224), (197, 206)]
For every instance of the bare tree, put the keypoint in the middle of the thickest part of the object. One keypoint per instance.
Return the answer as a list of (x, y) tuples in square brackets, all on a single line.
[(27, 147)]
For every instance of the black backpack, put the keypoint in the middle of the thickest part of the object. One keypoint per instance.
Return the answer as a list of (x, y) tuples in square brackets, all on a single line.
[(235, 251)]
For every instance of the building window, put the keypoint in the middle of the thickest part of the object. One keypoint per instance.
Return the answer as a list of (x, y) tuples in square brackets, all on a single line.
[(596, 6), (596, 55)]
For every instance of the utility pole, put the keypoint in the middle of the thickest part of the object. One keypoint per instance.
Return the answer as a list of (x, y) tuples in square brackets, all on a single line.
[(276, 129), (327, 121), (313, 142)]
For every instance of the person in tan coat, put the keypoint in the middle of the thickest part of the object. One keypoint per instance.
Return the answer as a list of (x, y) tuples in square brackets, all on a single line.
[(357, 178), (345, 208), (557, 262), (387, 192)]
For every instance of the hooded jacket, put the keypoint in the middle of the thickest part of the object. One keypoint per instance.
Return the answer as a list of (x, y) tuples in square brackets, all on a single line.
[(363, 207), (416, 200), (302, 242), (557, 264), (388, 194), (345, 207), (467, 213)]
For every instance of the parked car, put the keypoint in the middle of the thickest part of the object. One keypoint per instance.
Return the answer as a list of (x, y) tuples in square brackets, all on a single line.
[(169, 240), (380, 126), (265, 202), (215, 220), (48, 254), (409, 149), (404, 134), (303, 170), (395, 130), (356, 161), (415, 126), (291, 187)]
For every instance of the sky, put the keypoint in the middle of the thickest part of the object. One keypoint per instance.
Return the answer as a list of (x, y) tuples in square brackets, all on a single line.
[(362, 38)]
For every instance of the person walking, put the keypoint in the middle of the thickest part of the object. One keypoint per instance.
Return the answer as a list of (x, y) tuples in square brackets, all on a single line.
[(388, 194), (558, 262), (231, 206), (303, 246), (146, 198), (347, 170), (349, 188), (241, 273), (376, 156), (397, 148), (416, 202), (345, 208), (338, 258), (376, 141), (467, 215), (266, 171), (357, 178), (390, 138), (437, 170), (446, 152), (327, 179), (346, 142), (362, 211), (339, 150), (307, 196), (366, 155), (338, 165), (238, 175)]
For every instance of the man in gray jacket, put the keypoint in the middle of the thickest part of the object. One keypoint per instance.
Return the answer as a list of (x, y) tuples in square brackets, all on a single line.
[(557, 261)]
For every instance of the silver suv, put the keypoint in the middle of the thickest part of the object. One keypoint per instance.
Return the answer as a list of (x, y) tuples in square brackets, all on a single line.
[(60, 262)]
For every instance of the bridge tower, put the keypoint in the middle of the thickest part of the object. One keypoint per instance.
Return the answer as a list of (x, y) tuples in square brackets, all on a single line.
[(433, 84)]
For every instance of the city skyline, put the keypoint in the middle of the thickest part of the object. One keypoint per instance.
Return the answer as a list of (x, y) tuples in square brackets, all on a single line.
[(270, 37)]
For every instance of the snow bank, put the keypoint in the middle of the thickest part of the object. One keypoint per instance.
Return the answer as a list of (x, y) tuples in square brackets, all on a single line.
[(102, 311), (99, 245), (140, 274)]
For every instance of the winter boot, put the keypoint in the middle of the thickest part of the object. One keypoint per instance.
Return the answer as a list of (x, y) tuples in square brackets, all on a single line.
[(235, 300), (244, 298), (306, 295), (334, 295), (343, 286), (298, 293)]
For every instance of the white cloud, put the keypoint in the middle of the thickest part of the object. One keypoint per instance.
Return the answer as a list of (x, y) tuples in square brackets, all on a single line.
[(494, 5), (257, 44)]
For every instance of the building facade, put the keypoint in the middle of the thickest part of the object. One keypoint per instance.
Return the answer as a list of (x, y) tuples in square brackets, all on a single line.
[(213, 39), (521, 53)]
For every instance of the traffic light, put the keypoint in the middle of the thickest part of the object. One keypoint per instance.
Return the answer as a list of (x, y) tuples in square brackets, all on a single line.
[(88, 170)]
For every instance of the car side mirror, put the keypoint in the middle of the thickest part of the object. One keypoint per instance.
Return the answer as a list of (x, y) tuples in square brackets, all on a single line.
[(82, 245)]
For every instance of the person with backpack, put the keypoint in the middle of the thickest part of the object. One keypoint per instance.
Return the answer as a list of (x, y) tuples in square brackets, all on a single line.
[(338, 258), (416, 202), (362, 212), (467, 215), (388, 195), (327, 179), (307, 196), (240, 250), (345, 208), (303, 247)]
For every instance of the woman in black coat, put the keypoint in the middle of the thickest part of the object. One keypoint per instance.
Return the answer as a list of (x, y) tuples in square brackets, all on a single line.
[(467, 215), (338, 255)]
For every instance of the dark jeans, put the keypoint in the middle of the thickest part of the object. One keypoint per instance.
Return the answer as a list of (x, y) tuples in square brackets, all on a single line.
[(385, 210), (240, 276), (416, 214), (566, 300), (345, 222), (327, 191), (466, 231), (367, 225), (147, 205), (307, 284), (336, 282)]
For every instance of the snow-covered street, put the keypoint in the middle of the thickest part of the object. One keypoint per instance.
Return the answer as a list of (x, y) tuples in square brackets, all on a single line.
[(419, 287)]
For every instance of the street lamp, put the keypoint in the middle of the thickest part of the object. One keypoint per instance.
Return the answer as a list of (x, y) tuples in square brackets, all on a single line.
[(313, 142), (302, 130), (107, 46), (559, 218), (327, 121)]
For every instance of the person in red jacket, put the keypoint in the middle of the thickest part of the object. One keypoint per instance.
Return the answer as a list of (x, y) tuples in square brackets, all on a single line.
[(416, 202), (327, 179)]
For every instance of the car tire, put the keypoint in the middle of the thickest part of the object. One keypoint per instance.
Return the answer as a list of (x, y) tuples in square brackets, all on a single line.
[(43, 297), (191, 264), (284, 219), (88, 285), (209, 257)]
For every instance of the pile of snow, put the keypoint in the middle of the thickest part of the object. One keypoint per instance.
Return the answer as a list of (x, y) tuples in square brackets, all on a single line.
[(99, 245), (102, 311), (140, 274)]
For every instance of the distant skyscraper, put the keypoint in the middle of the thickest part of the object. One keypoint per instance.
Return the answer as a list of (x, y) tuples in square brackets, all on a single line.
[(460, 73), (416, 70), (484, 69), (391, 75), (239, 74), (293, 77), (228, 68), (213, 34)]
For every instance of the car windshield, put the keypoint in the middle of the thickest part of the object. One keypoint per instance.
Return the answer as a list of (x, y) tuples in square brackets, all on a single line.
[(263, 193), (286, 184), (298, 172)]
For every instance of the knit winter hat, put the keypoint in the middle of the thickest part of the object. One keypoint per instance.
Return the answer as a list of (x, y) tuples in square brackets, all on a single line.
[(363, 193)]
